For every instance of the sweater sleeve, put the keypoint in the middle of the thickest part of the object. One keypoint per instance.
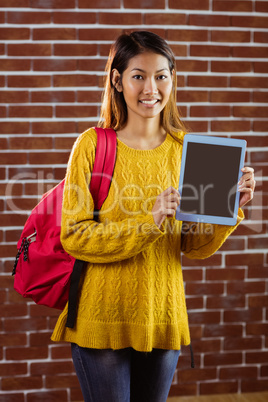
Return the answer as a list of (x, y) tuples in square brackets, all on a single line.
[(83, 237), (200, 241)]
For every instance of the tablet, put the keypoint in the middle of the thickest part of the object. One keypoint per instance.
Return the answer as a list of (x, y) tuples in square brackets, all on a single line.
[(210, 171)]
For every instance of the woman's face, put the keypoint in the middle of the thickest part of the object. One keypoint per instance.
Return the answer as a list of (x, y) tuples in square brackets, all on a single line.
[(146, 85)]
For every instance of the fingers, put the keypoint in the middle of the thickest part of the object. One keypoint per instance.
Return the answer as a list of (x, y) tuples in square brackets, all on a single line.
[(165, 205), (246, 186)]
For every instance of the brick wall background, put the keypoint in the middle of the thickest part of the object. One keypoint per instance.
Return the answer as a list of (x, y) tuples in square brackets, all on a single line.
[(52, 56)]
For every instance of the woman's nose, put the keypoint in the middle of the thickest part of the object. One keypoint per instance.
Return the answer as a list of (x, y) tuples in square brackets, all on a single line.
[(150, 87)]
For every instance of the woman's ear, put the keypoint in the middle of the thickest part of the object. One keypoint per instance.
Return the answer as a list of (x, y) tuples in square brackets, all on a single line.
[(116, 80)]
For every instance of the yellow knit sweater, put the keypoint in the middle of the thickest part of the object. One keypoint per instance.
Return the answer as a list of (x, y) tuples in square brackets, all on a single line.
[(132, 292)]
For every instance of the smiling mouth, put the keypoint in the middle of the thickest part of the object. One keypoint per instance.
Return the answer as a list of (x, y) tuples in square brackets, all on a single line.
[(149, 102)]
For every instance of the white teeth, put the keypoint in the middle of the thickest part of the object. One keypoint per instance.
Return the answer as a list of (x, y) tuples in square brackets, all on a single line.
[(149, 102)]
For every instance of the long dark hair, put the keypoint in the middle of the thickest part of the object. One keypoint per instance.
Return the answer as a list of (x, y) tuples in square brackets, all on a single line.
[(114, 109)]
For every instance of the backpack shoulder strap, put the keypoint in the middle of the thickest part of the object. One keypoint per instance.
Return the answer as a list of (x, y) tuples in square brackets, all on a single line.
[(99, 187), (103, 166)]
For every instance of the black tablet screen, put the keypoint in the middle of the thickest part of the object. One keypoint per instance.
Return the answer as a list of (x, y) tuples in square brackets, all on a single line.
[(210, 179)]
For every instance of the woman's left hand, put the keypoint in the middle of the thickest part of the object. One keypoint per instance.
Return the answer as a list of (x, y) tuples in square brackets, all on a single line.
[(247, 185)]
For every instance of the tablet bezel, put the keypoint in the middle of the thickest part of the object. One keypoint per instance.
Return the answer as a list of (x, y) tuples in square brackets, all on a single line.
[(205, 139)]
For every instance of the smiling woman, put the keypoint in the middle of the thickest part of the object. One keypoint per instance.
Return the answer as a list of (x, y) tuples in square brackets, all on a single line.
[(132, 317)]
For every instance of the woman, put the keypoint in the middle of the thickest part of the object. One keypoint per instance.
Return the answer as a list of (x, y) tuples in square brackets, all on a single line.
[(132, 318)]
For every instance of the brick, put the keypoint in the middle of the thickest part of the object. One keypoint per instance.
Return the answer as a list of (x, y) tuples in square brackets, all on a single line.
[(45, 396), (179, 50), (101, 4), (259, 96), (53, 3), (256, 328), (257, 271), (147, 4), (204, 288), (230, 96), (29, 353), (243, 315), (54, 34), (260, 67), (75, 49), (78, 80), (13, 310), (30, 111), (209, 20), (261, 37), (226, 387), (64, 143), (92, 65), (245, 287), (206, 345), (76, 111), (230, 36), (21, 383), (249, 82), (207, 81), (118, 18), (192, 96), (225, 274), (194, 303), (74, 18), (260, 126), (62, 127), (230, 126), (231, 66), (44, 368), (197, 375), (14, 97), (53, 96), (9, 369), (61, 352), (43, 311), (98, 34), (253, 385), (54, 65), (249, 21), (15, 3), (211, 261), (261, 6), (212, 331), (3, 112), (14, 34), (209, 51), (206, 317), (190, 35), (13, 340), (27, 18), (258, 301), (259, 157), (40, 338), (9, 397), (89, 96), (60, 381), (164, 19), (52, 158), (255, 52), (222, 359), (210, 111), (238, 372), (191, 274), (258, 243), (25, 81), (244, 259), (224, 302), (242, 343), (15, 65), (256, 357), (13, 158), (236, 6), (25, 324)]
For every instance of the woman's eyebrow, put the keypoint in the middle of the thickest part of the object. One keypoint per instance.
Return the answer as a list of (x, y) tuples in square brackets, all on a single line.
[(143, 71)]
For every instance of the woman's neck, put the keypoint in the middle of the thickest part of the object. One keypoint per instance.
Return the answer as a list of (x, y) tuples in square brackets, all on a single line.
[(142, 136)]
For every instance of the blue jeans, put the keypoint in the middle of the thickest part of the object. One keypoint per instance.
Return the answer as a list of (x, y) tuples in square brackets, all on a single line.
[(124, 375)]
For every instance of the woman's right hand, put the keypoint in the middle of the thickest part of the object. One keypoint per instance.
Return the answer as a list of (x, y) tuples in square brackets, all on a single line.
[(165, 205)]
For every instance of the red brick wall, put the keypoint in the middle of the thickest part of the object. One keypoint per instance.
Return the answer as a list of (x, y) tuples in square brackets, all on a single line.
[(52, 56)]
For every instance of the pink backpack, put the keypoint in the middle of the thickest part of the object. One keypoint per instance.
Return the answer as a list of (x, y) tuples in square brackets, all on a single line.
[(43, 270)]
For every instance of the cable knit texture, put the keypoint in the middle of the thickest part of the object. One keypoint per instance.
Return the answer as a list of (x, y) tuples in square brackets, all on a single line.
[(132, 291)]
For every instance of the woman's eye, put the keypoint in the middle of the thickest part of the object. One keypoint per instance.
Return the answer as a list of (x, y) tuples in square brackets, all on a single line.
[(138, 77), (161, 77)]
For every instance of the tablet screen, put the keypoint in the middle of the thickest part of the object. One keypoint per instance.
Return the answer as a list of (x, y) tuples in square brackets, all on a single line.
[(209, 179)]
